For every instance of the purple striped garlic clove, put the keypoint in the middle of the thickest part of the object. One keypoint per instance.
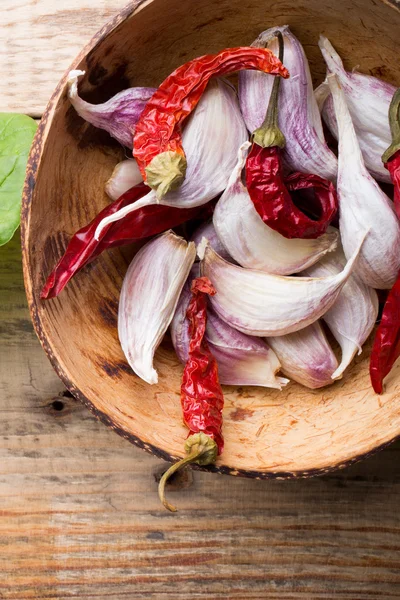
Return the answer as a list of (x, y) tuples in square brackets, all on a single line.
[(149, 295), (125, 176), (118, 116), (363, 206), (299, 118), (353, 316), (242, 360), (207, 231), (261, 304), (251, 242), (211, 138), (368, 100), (306, 356)]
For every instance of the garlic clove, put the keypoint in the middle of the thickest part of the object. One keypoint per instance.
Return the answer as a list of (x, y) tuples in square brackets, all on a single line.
[(261, 304), (207, 231), (251, 242), (118, 116), (368, 99), (352, 317), (125, 176), (149, 295), (299, 118), (242, 360), (306, 356), (211, 137), (363, 205)]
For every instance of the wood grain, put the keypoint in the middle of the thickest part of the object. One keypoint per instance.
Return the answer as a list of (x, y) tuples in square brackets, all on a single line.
[(79, 514)]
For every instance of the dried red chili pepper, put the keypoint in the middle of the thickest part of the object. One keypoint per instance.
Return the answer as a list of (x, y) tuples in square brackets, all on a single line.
[(391, 158), (268, 189), (83, 247), (386, 346), (201, 394), (157, 144)]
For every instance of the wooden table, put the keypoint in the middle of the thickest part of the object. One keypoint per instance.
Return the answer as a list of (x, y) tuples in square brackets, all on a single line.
[(80, 517)]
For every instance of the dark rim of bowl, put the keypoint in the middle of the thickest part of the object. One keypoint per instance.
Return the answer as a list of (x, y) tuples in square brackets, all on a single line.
[(30, 181)]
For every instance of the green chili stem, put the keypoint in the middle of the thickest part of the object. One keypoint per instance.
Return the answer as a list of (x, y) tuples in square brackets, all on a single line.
[(394, 122), (173, 469), (269, 133)]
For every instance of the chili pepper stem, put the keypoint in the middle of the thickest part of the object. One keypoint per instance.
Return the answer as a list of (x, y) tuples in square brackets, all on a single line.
[(394, 122), (269, 133), (201, 450), (166, 172)]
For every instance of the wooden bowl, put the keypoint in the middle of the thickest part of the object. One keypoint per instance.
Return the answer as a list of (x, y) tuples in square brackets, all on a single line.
[(293, 433)]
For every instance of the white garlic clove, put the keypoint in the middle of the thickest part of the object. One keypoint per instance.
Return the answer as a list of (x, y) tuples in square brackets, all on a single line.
[(262, 304), (251, 242), (207, 231), (125, 176), (211, 138), (368, 99), (306, 356), (353, 316), (149, 296), (363, 206), (241, 359), (299, 118), (118, 116)]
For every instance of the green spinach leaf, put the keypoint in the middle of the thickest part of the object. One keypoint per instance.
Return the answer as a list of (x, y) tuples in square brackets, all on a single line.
[(16, 135)]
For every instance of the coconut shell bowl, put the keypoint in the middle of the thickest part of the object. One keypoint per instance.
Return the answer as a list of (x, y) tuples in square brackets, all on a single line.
[(268, 433)]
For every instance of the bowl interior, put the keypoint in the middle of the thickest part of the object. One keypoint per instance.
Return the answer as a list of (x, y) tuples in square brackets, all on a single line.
[(267, 432)]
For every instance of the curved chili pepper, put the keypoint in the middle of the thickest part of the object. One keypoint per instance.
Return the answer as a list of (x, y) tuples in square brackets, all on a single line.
[(83, 246), (386, 346), (391, 158), (201, 394), (268, 189), (157, 144)]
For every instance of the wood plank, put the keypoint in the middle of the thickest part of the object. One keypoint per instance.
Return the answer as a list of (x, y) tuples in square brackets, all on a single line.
[(39, 39), (80, 517)]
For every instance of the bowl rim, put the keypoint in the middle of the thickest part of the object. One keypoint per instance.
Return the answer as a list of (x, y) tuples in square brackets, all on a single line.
[(33, 164)]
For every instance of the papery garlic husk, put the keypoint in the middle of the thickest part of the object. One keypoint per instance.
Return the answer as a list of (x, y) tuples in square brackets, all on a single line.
[(207, 231), (118, 116), (211, 138), (299, 118), (125, 176), (241, 359), (368, 99), (306, 356), (363, 205), (251, 242), (149, 296), (261, 304), (353, 316)]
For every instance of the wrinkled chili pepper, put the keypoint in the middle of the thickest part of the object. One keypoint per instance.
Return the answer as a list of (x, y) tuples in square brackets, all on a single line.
[(391, 158), (386, 346), (157, 144), (268, 189), (201, 394), (144, 222)]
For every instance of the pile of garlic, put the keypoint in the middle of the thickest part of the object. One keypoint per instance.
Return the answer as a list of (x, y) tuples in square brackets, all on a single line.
[(274, 295)]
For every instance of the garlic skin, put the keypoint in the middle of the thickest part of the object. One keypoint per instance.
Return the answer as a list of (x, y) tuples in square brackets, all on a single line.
[(251, 242), (368, 100), (211, 138), (306, 356), (363, 205), (149, 295), (261, 304), (353, 316), (242, 360), (207, 231), (118, 116), (298, 115), (125, 176)]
